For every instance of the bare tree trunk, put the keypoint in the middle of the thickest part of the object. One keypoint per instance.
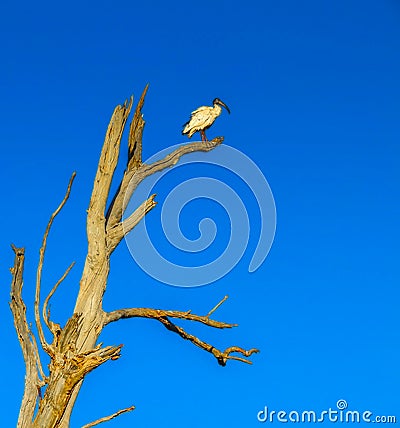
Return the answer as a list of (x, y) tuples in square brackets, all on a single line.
[(74, 351)]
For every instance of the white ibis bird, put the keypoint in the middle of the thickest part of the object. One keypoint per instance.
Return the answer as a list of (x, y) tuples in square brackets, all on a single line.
[(202, 118)]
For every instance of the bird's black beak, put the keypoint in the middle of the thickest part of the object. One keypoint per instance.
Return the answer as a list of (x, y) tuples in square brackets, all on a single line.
[(221, 103)]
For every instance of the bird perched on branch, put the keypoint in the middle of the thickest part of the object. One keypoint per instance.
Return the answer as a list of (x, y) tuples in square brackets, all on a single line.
[(202, 118)]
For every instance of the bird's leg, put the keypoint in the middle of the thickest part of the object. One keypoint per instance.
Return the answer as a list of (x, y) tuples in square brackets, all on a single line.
[(203, 136)]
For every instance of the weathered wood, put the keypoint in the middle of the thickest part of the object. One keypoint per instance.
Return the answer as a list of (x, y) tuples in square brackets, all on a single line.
[(18, 309), (74, 351)]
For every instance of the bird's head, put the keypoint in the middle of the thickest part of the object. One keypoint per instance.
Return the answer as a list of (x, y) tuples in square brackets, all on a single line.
[(221, 103)]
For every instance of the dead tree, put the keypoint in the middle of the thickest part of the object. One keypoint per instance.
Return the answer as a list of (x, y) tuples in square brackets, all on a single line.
[(49, 395)]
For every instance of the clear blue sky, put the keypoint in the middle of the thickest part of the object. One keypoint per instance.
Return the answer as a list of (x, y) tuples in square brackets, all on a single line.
[(314, 92)]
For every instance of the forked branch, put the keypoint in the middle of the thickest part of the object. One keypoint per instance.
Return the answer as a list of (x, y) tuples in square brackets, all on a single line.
[(164, 316), (133, 176), (115, 234), (115, 210)]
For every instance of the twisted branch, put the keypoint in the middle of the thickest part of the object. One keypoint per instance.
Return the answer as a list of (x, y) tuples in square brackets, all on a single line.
[(221, 356)]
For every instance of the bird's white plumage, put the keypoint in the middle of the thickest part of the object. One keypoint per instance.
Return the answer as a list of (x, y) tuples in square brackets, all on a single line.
[(201, 119)]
